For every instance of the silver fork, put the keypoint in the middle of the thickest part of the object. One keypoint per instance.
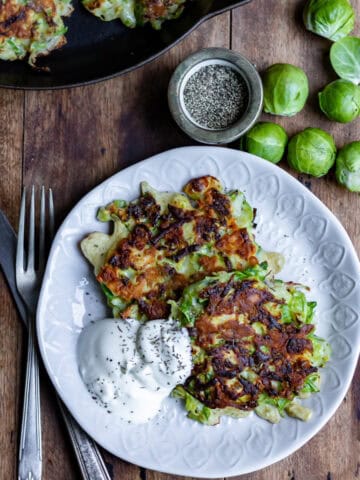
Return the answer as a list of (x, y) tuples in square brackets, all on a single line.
[(28, 280)]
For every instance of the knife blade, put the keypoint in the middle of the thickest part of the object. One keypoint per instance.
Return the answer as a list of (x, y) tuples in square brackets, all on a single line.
[(7, 261), (89, 458)]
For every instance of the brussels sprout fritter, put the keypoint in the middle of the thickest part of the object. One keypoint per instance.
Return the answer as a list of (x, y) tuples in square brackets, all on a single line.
[(253, 346), (29, 29), (32, 28), (165, 241), (136, 12)]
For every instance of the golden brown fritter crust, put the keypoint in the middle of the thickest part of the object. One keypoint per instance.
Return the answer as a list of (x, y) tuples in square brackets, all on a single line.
[(136, 12), (278, 357), (159, 245), (32, 29)]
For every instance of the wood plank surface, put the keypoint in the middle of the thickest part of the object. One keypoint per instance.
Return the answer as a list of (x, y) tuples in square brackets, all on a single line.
[(11, 358), (73, 139)]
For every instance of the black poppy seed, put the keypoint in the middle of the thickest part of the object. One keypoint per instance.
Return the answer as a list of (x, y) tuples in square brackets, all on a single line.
[(216, 96)]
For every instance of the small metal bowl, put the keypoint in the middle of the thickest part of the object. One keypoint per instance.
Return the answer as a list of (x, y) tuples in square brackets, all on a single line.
[(193, 63)]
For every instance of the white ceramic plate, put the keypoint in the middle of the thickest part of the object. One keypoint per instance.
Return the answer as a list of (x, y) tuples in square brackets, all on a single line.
[(290, 220)]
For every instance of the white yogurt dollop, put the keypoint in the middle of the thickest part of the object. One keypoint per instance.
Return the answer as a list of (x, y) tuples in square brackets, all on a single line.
[(130, 367)]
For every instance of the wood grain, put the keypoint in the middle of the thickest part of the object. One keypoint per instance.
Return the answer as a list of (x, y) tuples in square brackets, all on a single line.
[(11, 358), (73, 139)]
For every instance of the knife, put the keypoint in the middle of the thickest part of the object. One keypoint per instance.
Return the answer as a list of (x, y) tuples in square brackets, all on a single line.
[(7, 262), (90, 461)]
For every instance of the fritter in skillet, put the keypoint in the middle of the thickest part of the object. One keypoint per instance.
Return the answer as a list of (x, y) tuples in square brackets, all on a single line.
[(163, 242), (32, 28), (136, 12), (253, 347)]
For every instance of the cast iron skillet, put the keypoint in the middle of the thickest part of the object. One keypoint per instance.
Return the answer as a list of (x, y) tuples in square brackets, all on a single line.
[(98, 50)]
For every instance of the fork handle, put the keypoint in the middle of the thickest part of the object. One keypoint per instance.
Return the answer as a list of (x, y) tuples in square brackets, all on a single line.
[(91, 464), (30, 454)]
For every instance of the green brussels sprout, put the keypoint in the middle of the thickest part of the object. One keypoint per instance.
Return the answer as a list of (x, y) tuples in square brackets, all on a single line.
[(312, 151), (345, 59), (286, 89), (340, 101), (333, 19), (266, 140), (347, 169)]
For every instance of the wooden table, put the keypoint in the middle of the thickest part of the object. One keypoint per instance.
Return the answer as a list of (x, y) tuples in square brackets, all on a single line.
[(74, 139)]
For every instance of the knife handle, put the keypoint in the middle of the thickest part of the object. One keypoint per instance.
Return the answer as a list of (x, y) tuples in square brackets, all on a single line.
[(30, 452), (90, 461)]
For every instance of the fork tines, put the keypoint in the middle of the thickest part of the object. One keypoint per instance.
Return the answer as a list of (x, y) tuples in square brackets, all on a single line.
[(25, 262)]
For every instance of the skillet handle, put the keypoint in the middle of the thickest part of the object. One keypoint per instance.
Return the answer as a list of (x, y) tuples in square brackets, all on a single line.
[(221, 6)]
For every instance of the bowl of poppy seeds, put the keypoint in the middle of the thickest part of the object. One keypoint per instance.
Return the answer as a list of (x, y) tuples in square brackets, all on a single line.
[(215, 95)]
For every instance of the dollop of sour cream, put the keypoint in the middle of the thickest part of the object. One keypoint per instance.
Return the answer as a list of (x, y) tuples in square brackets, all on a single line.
[(129, 367)]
